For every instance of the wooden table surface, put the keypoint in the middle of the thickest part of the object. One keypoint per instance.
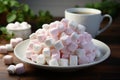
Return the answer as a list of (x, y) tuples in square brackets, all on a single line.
[(109, 69)]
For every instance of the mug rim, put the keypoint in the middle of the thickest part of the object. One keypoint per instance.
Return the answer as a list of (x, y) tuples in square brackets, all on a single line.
[(72, 10)]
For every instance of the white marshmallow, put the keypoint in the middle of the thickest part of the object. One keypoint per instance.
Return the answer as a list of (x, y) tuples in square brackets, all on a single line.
[(28, 53), (73, 60), (58, 45), (8, 59), (20, 69), (66, 40), (33, 36), (81, 53), (74, 36), (63, 62), (72, 46), (49, 42), (53, 62), (47, 59), (80, 29), (73, 25), (3, 49), (41, 37), (9, 47), (54, 32), (11, 69), (19, 39), (40, 31), (46, 52), (98, 53), (34, 57), (37, 48), (41, 59), (45, 26)]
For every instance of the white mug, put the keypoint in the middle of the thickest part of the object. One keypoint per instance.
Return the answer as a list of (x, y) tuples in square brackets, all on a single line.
[(89, 17)]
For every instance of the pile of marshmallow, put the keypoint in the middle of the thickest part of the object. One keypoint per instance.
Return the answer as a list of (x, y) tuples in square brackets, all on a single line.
[(18, 26), (61, 43)]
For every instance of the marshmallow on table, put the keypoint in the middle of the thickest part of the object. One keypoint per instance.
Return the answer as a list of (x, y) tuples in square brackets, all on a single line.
[(9, 47), (13, 42), (19, 39), (11, 69), (3, 49), (8, 59), (53, 62), (58, 45), (73, 60), (63, 62), (20, 69), (40, 59)]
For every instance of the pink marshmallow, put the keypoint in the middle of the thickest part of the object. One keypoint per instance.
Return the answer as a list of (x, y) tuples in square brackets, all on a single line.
[(20, 69), (64, 50), (3, 49), (41, 37), (19, 40), (29, 53), (65, 22), (13, 42), (72, 46), (82, 58), (34, 57), (91, 56), (8, 59), (80, 29), (54, 32), (88, 46), (61, 27), (55, 56), (66, 40), (69, 31), (65, 56)]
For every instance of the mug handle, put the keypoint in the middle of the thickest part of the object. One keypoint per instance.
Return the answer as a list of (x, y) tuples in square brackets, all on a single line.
[(109, 23)]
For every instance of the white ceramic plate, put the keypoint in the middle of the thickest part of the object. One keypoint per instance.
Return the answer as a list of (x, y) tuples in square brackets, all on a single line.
[(20, 49)]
